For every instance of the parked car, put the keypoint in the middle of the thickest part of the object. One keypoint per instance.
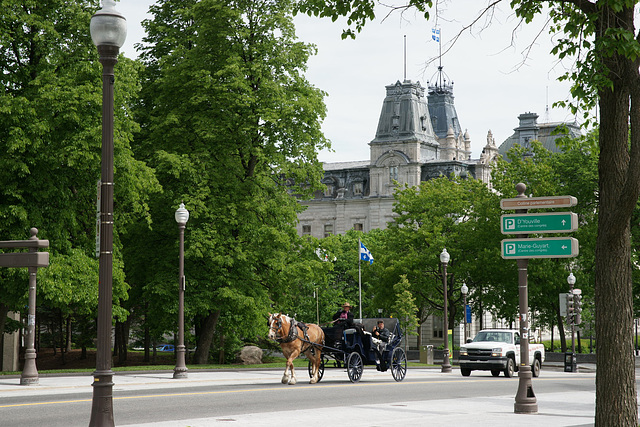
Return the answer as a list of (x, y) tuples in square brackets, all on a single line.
[(165, 347)]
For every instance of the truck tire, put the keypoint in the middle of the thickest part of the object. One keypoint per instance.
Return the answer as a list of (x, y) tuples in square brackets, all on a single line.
[(535, 368), (495, 372), (510, 368), (465, 372)]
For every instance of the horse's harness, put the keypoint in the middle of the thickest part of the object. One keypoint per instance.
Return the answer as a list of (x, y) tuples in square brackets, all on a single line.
[(293, 334)]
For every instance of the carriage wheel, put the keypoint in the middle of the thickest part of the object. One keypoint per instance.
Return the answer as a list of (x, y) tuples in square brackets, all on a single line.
[(398, 364), (354, 367), (320, 369)]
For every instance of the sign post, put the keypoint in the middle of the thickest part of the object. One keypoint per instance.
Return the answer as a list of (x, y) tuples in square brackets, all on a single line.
[(32, 259), (522, 248)]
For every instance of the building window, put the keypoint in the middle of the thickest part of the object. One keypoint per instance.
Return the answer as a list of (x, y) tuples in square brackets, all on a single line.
[(357, 189), (437, 327), (328, 192), (306, 230), (393, 173), (328, 230), (358, 226)]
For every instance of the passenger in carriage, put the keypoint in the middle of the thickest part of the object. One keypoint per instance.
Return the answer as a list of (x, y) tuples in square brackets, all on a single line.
[(380, 333), (380, 336)]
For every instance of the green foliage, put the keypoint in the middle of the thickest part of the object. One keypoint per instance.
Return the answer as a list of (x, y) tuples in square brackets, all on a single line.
[(459, 214), (572, 172), (50, 144), (238, 145), (404, 307)]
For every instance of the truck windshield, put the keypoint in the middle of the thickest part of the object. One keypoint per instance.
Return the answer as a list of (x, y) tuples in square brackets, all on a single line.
[(496, 336)]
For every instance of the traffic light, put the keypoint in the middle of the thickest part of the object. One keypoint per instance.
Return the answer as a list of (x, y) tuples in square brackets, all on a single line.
[(577, 302), (570, 308)]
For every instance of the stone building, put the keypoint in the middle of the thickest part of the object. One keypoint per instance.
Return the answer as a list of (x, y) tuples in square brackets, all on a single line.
[(418, 138), (530, 130)]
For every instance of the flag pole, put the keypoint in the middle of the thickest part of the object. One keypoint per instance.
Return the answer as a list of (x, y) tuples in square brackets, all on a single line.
[(360, 277)]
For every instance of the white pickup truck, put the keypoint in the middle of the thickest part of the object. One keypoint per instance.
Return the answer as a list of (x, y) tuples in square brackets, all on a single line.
[(498, 350)]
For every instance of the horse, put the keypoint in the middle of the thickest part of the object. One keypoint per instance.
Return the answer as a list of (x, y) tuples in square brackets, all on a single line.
[(286, 331)]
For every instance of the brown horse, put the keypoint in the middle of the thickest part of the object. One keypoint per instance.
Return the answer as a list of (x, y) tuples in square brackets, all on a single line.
[(301, 338)]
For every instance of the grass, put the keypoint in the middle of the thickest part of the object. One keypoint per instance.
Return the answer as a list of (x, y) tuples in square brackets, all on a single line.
[(271, 362)]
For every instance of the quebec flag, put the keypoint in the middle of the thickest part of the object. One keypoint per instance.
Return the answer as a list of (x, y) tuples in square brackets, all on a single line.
[(365, 255), (435, 34)]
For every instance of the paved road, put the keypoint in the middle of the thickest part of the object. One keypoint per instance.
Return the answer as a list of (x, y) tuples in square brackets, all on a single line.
[(256, 398)]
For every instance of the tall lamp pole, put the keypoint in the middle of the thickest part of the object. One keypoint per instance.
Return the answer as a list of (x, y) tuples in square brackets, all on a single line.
[(465, 290), (108, 32), (180, 371), (446, 364), (571, 280)]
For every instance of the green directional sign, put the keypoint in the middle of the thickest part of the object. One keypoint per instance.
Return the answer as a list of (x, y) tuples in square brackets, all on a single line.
[(550, 247), (553, 222)]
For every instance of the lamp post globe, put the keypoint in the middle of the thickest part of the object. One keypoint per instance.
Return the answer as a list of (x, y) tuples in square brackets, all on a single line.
[(571, 279), (446, 364), (180, 370), (444, 256), (182, 214), (108, 31)]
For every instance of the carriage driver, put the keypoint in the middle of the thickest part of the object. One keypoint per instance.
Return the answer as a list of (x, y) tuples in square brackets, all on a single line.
[(344, 317)]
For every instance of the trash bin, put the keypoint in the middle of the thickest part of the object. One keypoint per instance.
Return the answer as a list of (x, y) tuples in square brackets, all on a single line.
[(570, 362), (426, 354)]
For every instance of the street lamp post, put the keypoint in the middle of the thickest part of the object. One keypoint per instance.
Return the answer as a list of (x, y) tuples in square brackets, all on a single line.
[(446, 364), (108, 32), (465, 290), (571, 280), (180, 371)]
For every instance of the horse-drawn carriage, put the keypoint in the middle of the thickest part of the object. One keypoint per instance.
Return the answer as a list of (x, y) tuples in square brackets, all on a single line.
[(350, 348), (353, 348)]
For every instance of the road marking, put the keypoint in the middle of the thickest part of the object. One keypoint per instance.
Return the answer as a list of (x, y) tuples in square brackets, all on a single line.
[(316, 386)]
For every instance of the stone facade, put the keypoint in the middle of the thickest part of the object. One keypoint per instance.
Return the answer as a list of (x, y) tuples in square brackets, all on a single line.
[(407, 149)]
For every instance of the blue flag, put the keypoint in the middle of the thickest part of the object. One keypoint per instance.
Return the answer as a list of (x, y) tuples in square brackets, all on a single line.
[(435, 34), (365, 255)]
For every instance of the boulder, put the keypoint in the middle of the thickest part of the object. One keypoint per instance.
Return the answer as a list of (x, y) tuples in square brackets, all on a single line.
[(251, 355)]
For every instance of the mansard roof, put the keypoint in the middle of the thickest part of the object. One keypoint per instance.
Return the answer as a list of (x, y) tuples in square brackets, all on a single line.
[(530, 130), (404, 115), (442, 109)]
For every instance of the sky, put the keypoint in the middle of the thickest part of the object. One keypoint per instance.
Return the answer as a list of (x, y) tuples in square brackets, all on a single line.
[(498, 72)]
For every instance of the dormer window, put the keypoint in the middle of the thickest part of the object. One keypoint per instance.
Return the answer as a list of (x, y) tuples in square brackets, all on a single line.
[(357, 188), (328, 192)]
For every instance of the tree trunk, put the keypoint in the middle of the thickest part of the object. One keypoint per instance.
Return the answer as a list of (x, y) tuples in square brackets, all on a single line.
[(147, 333), (616, 401), (205, 337), (4, 310), (62, 336), (122, 340), (69, 337)]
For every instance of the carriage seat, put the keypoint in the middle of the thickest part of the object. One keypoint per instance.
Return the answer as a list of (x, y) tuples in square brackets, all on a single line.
[(390, 323)]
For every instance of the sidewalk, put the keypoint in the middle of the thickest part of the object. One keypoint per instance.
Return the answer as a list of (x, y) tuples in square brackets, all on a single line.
[(573, 408)]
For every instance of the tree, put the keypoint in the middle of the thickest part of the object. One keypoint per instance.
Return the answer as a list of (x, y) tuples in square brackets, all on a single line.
[(571, 172), (50, 130), (232, 128), (461, 215), (600, 36), (404, 307)]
